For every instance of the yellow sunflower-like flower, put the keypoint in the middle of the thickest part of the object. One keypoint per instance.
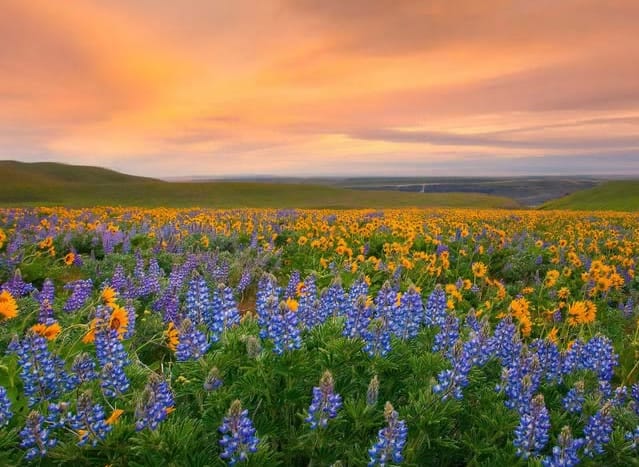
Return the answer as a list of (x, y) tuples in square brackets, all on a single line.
[(8, 305), (292, 304), (520, 309), (108, 296), (552, 335), (50, 332), (115, 415), (119, 320), (172, 336), (581, 312), (479, 270)]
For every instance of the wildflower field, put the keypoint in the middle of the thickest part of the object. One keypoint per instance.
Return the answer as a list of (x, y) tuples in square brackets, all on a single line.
[(307, 337)]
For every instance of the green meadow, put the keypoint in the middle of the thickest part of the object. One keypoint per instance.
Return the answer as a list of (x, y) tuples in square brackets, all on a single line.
[(77, 186)]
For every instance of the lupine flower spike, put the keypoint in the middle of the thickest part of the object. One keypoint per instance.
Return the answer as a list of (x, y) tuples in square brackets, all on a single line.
[(390, 441), (239, 438), (325, 403)]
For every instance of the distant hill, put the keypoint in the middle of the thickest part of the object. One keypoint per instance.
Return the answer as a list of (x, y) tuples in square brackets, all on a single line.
[(54, 173), (528, 190), (23, 184), (621, 195)]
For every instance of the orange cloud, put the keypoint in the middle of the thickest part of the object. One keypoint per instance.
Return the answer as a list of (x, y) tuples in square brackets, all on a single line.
[(299, 85)]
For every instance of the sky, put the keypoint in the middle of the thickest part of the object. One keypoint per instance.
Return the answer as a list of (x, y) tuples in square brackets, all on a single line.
[(332, 87)]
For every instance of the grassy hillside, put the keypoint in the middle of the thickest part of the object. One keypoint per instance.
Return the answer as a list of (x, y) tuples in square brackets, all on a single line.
[(75, 186), (620, 195), (55, 173)]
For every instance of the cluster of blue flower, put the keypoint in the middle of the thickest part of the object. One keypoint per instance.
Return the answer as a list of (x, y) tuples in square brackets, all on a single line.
[(238, 435)]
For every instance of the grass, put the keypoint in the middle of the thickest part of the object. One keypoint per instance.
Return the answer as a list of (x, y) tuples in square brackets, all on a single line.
[(49, 184), (620, 195)]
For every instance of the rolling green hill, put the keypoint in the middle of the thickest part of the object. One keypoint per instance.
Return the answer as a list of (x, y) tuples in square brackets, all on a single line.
[(622, 195), (56, 173), (24, 184)]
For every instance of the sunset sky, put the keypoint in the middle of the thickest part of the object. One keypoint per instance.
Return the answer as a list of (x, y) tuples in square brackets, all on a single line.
[(308, 87)]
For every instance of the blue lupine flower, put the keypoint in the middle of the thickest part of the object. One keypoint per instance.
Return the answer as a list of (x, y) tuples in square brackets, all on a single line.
[(621, 394), (566, 454), (45, 299), (266, 301), (436, 308), (634, 394), (598, 356), (386, 305), (441, 248), (267, 310), (358, 289), (331, 300), (42, 374), (571, 358), (531, 435), (482, 344), (597, 431), (628, 308), (447, 336), (245, 280), (111, 355), (325, 403), (308, 304), (450, 382), (89, 421), (358, 317), (138, 274), (239, 438), (377, 337), (230, 312), (291, 288), (549, 358), (223, 312), (410, 314), (154, 405), (57, 415), (198, 301), (16, 286), (471, 321), (283, 330), (130, 328), (35, 436), (5, 407), (83, 369), (390, 441), (221, 272), (169, 302), (192, 343), (633, 437), (149, 281), (119, 281), (254, 239), (557, 316), (81, 290), (109, 348), (574, 400), (113, 380), (521, 380), (506, 342)]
